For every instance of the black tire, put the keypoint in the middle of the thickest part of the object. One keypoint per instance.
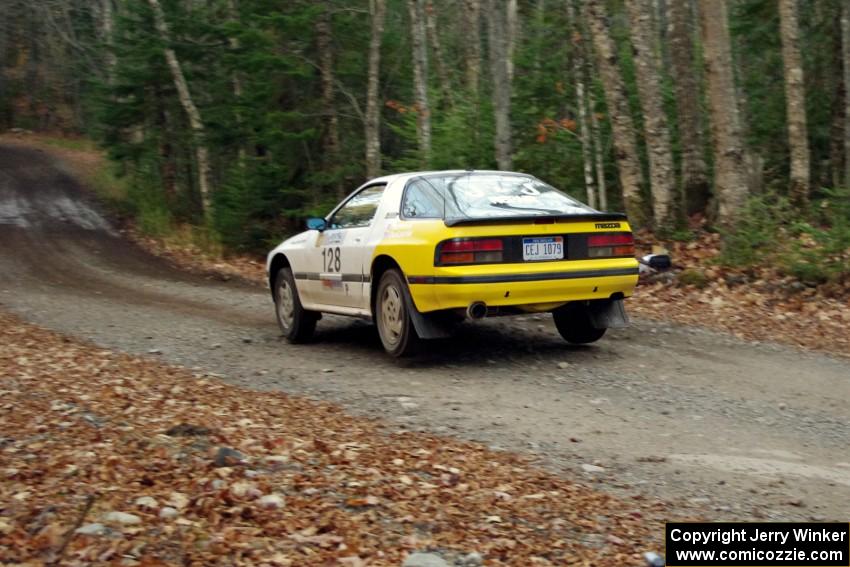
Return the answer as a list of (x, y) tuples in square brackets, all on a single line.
[(573, 322), (392, 315), (296, 323)]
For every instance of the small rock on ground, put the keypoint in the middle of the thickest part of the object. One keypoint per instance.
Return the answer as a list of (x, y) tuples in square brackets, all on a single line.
[(227, 457), (92, 530), (146, 502), (271, 501), (424, 560), (121, 518), (473, 559)]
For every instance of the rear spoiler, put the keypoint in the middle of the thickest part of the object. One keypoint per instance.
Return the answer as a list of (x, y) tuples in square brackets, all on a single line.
[(593, 217)]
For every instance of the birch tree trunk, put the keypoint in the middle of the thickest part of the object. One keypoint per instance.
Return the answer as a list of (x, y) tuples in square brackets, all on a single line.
[(598, 148), (500, 69), (625, 144), (330, 119), (512, 33), (795, 102), (420, 78), (845, 49), (472, 46), (656, 130), (686, 89), (578, 68), (729, 159), (378, 11), (185, 96), (439, 60)]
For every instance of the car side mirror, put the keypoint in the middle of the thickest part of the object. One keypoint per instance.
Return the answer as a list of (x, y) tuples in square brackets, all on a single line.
[(317, 223)]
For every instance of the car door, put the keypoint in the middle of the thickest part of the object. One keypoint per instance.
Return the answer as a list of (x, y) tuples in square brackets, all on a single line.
[(343, 250)]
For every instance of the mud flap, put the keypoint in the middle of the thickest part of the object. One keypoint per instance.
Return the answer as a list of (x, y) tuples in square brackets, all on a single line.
[(608, 314), (426, 327)]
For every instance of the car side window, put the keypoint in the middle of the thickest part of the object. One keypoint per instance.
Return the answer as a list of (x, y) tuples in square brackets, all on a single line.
[(422, 202), (360, 209)]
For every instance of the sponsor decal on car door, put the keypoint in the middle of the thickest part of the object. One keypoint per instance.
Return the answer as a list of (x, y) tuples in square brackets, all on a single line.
[(343, 251)]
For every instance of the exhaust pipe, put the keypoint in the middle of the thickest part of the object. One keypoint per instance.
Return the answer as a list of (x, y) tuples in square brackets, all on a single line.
[(476, 310)]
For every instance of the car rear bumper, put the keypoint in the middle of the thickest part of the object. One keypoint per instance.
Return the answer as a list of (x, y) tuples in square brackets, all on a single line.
[(537, 289)]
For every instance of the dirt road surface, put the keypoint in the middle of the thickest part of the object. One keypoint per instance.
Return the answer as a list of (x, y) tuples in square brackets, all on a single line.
[(720, 427)]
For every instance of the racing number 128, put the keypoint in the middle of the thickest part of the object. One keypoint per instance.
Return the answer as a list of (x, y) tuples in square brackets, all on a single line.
[(330, 259)]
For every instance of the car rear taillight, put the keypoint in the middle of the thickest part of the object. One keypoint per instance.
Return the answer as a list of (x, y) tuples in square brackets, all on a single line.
[(470, 251), (613, 245)]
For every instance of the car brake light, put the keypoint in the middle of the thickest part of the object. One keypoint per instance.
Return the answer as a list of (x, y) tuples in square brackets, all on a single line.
[(612, 245), (471, 251)]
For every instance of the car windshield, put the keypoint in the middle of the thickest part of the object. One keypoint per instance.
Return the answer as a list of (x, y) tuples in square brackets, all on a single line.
[(485, 195)]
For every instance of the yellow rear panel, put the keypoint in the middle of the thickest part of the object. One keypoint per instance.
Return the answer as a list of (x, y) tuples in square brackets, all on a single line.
[(545, 285)]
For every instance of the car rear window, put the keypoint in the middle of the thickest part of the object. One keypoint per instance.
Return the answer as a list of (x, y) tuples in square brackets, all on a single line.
[(485, 195)]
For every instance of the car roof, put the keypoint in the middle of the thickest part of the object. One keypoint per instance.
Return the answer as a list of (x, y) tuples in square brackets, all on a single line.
[(405, 176)]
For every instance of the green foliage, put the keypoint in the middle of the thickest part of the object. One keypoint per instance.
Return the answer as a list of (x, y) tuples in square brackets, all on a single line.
[(757, 235), (821, 253), (770, 233), (693, 277), (111, 188)]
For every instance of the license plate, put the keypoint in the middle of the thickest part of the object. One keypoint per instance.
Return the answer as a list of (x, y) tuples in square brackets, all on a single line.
[(547, 248)]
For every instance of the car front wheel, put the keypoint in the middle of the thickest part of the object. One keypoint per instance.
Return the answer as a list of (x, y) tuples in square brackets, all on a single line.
[(574, 323), (296, 323), (392, 315)]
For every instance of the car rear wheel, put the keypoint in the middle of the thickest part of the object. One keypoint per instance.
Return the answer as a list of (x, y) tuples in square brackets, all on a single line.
[(296, 323), (392, 315), (574, 323)]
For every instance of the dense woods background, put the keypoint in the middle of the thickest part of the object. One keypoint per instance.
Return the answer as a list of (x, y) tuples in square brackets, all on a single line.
[(240, 117)]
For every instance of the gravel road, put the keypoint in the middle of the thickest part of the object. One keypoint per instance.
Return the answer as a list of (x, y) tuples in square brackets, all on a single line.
[(717, 426)]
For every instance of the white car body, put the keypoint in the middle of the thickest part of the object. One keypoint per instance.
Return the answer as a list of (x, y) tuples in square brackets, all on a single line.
[(346, 289)]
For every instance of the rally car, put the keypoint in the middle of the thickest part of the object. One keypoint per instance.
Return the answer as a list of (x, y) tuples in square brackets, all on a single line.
[(418, 252)]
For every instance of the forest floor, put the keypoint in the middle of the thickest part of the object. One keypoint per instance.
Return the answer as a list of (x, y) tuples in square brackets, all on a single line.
[(109, 457)]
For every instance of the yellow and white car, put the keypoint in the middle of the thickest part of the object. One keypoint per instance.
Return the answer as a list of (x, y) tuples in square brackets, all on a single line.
[(417, 252)]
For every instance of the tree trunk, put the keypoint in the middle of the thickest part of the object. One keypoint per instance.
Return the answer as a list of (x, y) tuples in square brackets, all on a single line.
[(107, 31), (236, 81), (185, 96), (578, 67), (598, 149), (420, 78), (500, 68), (795, 102), (835, 178), (729, 159), (330, 119), (167, 167), (845, 48), (625, 144), (439, 60), (378, 11), (472, 46), (662, 178), (5, 102), (686, 89), (511, 33)]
